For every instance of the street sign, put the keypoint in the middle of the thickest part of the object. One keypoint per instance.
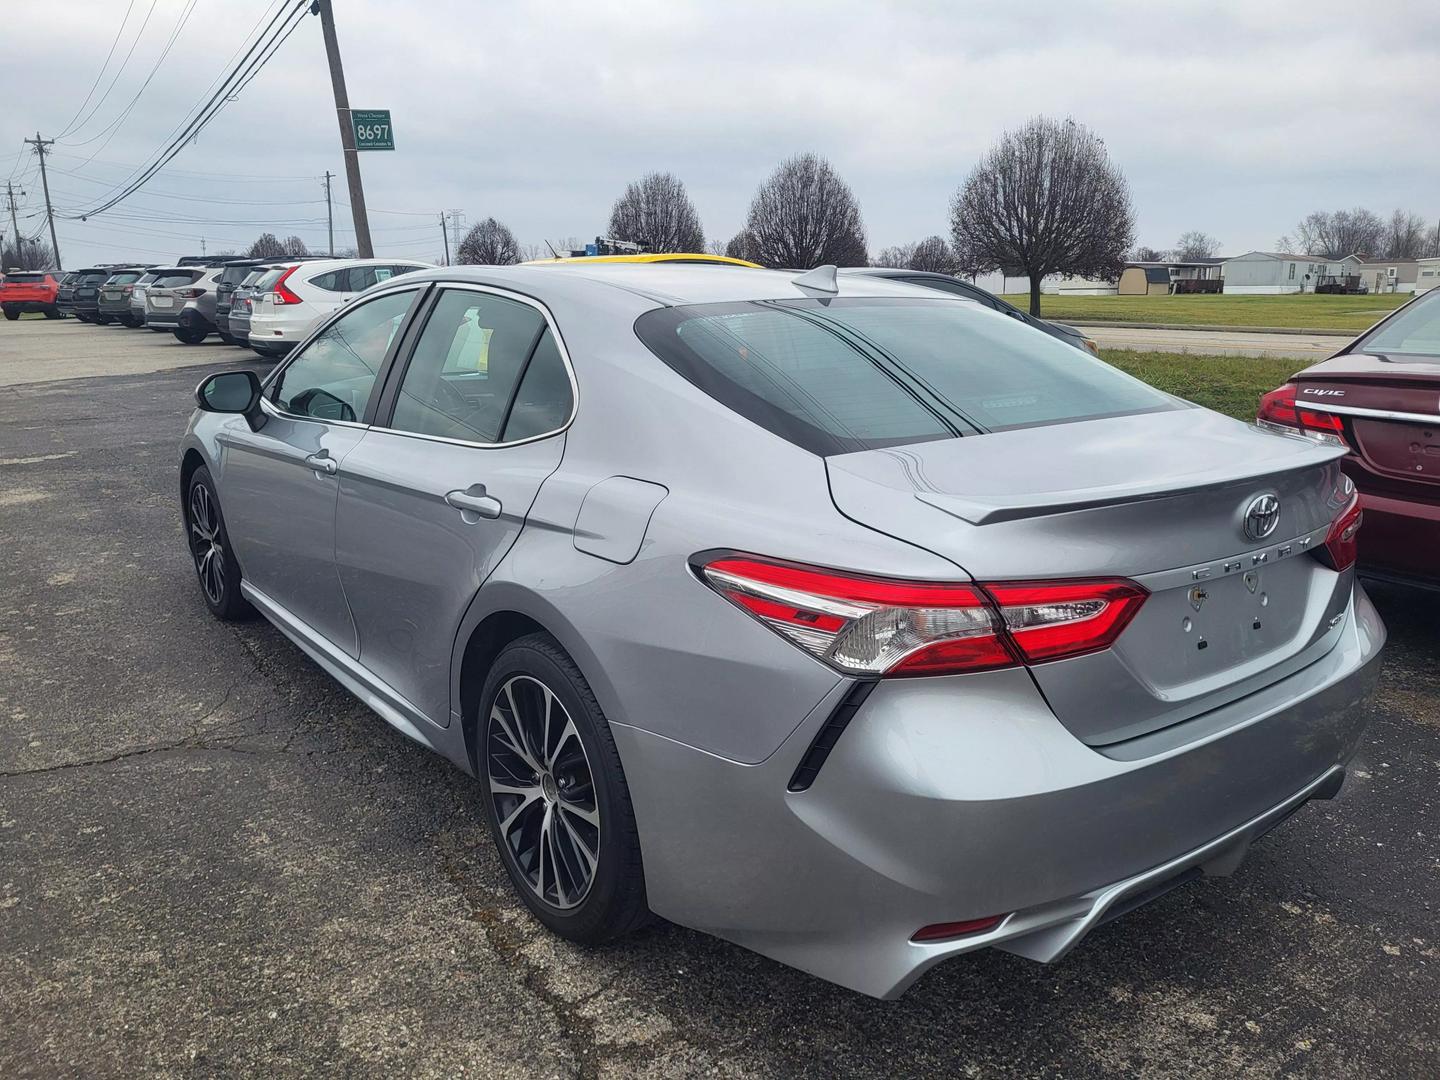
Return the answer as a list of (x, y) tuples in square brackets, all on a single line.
[(372, 129)]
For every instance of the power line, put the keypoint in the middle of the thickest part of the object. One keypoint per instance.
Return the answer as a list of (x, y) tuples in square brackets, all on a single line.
[(249, 63), (101, 73), (118, 71)]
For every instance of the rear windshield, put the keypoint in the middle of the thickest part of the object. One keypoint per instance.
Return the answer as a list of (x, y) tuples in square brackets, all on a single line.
[(1414, 330), (252, 277), (269, 278), (25, 279), (146, 278), (234, 275), (94, 276), (857, 373), (124, 278), (173, 279)]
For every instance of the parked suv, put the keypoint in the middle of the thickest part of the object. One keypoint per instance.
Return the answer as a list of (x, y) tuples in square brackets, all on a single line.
[(235, 272), (115, 295), (85, 301), (181, 299), (242, 299), (307, 291), (137, 298), (65, 296), (31, 290)]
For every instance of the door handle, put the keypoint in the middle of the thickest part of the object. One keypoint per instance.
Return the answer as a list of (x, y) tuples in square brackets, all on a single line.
[(322, 462), (473, 500)]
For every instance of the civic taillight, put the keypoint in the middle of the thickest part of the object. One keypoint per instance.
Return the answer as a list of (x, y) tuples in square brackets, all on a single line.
[(880, 626), (283, 293), (1279, 409), (1342, 542)]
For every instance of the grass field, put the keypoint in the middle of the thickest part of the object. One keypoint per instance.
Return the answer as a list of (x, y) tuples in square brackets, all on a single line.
[(1296, 310), (1227, 384)]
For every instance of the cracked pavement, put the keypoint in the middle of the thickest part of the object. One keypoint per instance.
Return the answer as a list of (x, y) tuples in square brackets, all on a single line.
[(215, 862)]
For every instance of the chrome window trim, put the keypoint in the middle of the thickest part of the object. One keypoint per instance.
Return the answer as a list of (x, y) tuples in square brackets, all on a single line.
[(304, 343), (1379, 414), (504, 294)]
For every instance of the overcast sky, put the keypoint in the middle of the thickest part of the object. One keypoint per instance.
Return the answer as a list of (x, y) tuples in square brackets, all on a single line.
[(1232, 118)]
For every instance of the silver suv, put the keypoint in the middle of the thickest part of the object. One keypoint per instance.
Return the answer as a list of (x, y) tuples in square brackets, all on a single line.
[(181, 299)]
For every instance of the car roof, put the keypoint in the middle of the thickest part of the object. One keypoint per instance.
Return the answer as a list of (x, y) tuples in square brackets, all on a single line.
[(668, 257), (664, 283)]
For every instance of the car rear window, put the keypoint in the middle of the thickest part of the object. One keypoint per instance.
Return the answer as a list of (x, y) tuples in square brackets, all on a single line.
[(857, 373), (267, 280), (123, 279), (174, 279), (25, 279), (145, 279), (252, 277), (234, 275), (1414, 330), (94, 277)]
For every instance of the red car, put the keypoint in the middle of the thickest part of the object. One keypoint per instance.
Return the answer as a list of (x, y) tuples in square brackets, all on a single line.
[(1380, 397), (30, 290)]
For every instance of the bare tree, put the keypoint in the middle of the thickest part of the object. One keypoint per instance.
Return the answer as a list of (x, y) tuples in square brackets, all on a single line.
[(1337, 234), (266, 246), (27, 255), (488, 244), (715, 247), (1432, 244), (743, 246), (1046, 199), (1149, 254), (1196, 245), (933, 254), (531, 252), (656, 213), (806, 216), (294, 247), (897, 257), (1404, 236)]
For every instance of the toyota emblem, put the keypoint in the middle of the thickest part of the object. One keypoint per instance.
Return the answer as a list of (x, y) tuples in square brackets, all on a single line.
[(1261, 516)]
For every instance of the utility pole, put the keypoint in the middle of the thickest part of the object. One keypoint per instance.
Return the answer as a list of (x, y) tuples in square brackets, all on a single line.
[(203, 252), (40, 145), (347, 132), (329, 214), (14, 225), (445, 236)]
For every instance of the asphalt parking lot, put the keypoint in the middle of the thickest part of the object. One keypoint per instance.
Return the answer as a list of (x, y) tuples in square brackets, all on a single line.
[(215, 862)]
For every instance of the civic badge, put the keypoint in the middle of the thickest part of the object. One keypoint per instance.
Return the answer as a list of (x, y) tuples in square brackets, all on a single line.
[(1261, 516), (1198, 596), (1252, 580)]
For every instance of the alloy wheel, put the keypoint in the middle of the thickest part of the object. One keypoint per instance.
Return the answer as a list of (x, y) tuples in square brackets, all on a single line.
[(543, 791), (206, 544)]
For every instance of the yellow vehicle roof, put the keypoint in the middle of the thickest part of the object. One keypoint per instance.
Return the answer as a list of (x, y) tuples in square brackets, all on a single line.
[(680, 257)]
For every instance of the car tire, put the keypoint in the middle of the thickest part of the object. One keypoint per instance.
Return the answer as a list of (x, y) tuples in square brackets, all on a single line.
[(11, 314), (190, 337), (590, 887), (225, 337), (54, 313), (210, 550)]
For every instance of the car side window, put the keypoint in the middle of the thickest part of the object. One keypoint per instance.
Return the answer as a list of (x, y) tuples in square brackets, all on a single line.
[(333, 377), (334, 281), (465, 366), (544, 400)]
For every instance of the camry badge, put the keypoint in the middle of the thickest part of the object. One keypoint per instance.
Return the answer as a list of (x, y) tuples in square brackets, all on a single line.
[(1198, 596), (1261, 516)]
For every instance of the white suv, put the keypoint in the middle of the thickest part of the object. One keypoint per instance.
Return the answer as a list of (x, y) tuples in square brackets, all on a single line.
[(306, 291)]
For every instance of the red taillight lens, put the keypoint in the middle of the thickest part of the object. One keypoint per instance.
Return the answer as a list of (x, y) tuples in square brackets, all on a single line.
[(1280, 409), (944, 931), (1342, 542), (1050, 619), (128, 289), (283, 294), (190, 294), (877, 626)]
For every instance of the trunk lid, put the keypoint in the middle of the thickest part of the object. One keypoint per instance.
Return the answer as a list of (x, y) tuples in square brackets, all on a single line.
[(1159, 498), (1390, 406)]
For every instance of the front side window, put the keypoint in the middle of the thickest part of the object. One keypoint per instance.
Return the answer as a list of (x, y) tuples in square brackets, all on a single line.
[(462, 377), (835, 376), (334, 375)]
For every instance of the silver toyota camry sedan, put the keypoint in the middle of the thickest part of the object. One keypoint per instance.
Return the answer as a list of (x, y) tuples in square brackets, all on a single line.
[(851, 622)]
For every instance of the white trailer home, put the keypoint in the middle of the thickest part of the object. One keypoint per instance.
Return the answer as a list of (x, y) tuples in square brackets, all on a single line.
[(1265, 272)]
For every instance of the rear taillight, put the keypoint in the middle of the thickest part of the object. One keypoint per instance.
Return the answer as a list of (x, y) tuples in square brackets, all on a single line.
[(1279, 409), (878, 626), (283, 293), (1342, 542), (190, 294), (128, 289)]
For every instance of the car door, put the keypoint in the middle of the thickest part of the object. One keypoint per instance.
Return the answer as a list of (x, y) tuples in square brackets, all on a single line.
[(278, 484), (436, 493)]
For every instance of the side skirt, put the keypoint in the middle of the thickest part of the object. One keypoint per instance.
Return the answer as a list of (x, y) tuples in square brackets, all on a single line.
[(360, 681)]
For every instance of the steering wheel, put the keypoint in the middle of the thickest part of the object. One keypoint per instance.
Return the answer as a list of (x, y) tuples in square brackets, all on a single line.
[(455, 403)]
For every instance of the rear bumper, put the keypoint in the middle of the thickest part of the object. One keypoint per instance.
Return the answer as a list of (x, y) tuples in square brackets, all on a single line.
[(1400, 539), (28, 305), (278, 330), (964, 798)]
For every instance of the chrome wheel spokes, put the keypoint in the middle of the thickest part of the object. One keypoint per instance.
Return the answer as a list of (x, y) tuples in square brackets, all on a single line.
[(543, 791), (205, 544)]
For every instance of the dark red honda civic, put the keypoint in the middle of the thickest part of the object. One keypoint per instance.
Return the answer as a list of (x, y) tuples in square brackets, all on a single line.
[(1380, 397)]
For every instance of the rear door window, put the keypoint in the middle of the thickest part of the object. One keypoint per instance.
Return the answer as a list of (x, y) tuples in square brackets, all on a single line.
[(847, 374)]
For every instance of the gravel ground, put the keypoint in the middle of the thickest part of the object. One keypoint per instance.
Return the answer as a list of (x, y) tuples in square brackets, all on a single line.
[(214, 862)]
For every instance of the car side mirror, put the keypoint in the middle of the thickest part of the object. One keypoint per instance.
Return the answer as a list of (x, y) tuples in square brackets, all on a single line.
[(232, 392)]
